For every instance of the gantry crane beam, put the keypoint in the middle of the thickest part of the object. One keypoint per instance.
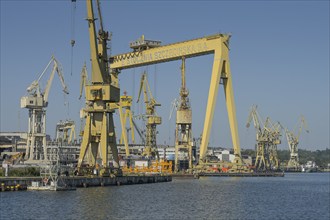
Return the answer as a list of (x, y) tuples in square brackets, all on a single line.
[(215, 44)]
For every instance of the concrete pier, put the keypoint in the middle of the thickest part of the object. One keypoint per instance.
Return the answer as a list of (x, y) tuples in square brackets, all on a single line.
[(84, 181)]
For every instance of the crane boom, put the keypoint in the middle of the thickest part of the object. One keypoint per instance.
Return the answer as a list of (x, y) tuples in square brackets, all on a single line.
[(57, 69), (98, 47), (143, 86), (83, 80)]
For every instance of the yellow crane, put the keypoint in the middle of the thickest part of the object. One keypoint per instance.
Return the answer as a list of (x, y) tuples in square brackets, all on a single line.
[(37, 101), (183, 130), (275, 133), (66, 132), (152, 119), (262, 137), (149, 52), (293, 141), (125, 103), (99, 134), (268, 136)]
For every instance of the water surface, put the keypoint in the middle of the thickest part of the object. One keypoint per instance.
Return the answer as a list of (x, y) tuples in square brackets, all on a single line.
[(295, 196)]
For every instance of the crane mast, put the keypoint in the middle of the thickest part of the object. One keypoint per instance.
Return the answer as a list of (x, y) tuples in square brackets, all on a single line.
[(37, 101), (83, 80), (152, 119), (99, 132), (183, 128)]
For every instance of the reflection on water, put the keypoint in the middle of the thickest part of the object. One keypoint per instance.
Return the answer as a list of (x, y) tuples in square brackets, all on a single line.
[(295, 196)]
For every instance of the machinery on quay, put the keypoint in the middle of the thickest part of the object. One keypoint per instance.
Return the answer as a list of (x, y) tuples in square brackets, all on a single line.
[(293, 141), (183, 128), (36, 102), (99, 132), (151, 52), (152, 119)]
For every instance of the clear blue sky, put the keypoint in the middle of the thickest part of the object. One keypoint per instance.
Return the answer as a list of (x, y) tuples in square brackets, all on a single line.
[(279, 60)]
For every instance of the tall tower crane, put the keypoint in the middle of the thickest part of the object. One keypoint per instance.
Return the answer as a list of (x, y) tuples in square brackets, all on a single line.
[(152, 119), (183, 129), (37, 101), (99, 132), (293, 141), (262, 137)]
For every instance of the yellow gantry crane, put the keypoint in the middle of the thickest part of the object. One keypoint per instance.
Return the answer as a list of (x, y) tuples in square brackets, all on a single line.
[(151, 52), (293, 141), (99, 134), (37, 101), (152, 119), (183, 128)]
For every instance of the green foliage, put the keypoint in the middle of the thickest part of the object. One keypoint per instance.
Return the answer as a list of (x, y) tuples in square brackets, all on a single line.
[(321, 157), (21, 172)]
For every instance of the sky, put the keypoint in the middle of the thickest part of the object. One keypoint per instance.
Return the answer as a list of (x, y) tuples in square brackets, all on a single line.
[(279, 56)]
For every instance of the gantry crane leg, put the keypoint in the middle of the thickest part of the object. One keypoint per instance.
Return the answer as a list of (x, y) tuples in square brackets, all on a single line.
[(112, 141), (213, 94), (85, 141), (123, 132), (231, 109)]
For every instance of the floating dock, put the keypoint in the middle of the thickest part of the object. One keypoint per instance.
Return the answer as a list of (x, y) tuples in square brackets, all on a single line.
[(9, 183)]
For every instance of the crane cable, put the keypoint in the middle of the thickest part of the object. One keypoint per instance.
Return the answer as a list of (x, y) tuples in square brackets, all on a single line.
[(73, 15)]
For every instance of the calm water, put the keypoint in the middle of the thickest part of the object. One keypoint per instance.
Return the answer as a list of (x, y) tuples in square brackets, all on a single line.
[(295, 196)]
